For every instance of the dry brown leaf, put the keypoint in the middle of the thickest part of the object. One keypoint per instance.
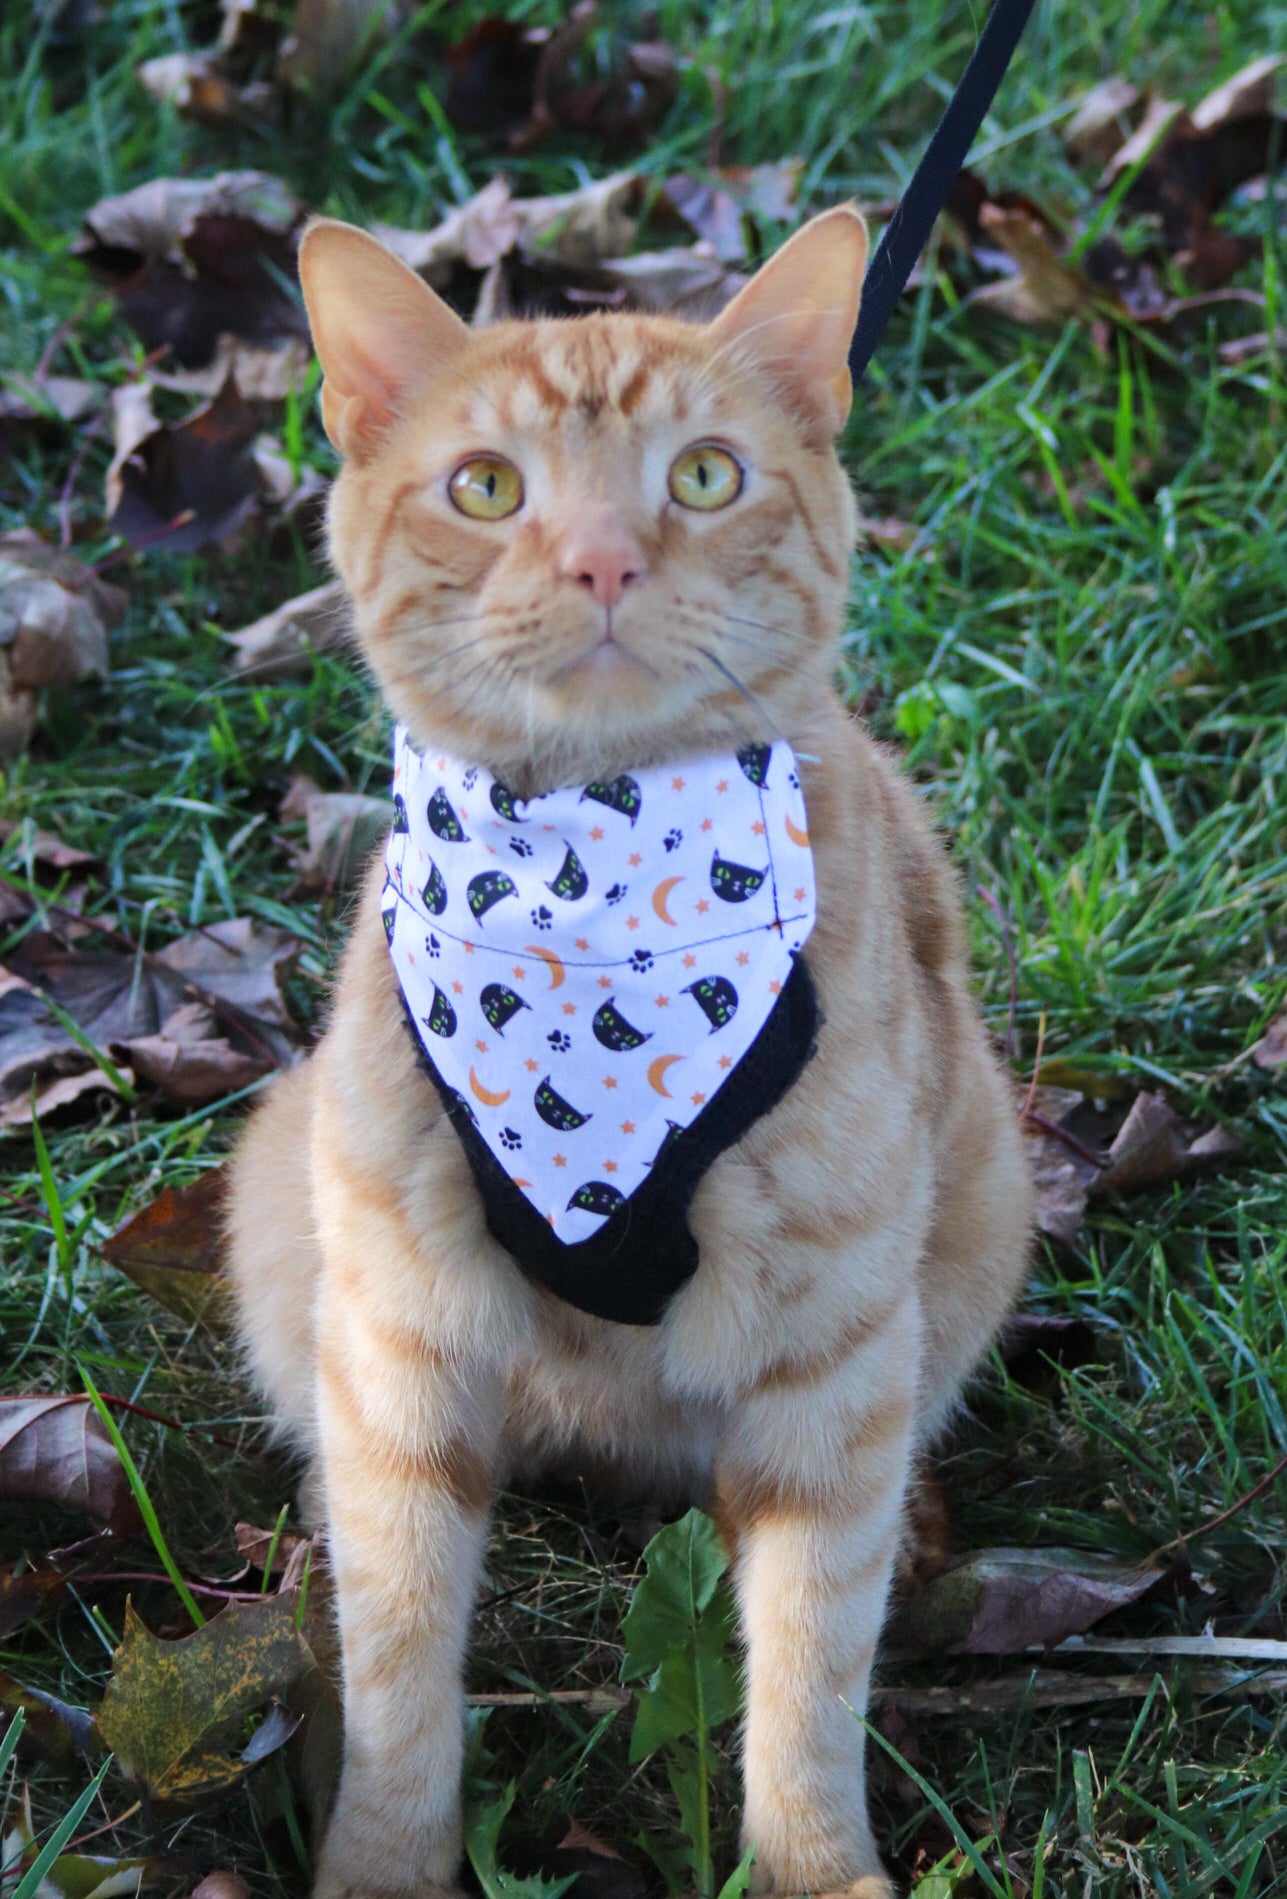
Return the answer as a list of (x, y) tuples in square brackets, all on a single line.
[(519, 83), (1002, 1601), (37, 402), (190, 1063), (254, 1544), (191, 260), (573, 228), (1046, 288), (1270, 1052), (173, 1248), (283, 643), (55, 615), (1103, 121), (1063, 1176), (243, 962), (1154, 1147), (715, 208), (55, 1450), (119, 1000), (190, 483), (1247, 95), (25, 1588), (267, 373), (343, 829)]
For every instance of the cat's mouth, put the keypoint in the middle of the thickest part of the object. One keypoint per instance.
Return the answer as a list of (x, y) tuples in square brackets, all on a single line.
[(607, 658)]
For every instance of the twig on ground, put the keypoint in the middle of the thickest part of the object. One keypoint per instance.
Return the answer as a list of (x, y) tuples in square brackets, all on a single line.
[(1240, 1503), (1039, 1688)]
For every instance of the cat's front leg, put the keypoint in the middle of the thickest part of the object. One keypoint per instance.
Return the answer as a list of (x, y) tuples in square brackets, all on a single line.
[(408, 1443), (811, 1477)]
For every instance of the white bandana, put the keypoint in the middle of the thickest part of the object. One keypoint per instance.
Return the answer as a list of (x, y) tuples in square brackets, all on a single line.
[(587, 968)]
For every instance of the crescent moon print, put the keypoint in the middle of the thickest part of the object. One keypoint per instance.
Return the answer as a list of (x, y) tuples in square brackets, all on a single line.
[(796, 835), (555, 963), (735, 882), (500, 1004), (661, 895), (401, 826), (389, 911), (486, 890), (434, 894), (620, 794), (571, 883), (754, 760), (657, 1073), (556, 1112), (489, 1098), (503, 802), (613, 1031), (443, 821)]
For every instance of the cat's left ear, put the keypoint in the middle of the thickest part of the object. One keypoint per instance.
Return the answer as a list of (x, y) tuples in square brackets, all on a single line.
[(381, 333), (795, 319)]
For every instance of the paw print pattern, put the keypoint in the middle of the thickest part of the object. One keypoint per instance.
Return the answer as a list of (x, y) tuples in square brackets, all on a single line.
[(433, 947), (511, 1138), (470, 778), (616, 893), (560, 1041), (673, 840), (520, 847), (542, 917), (641, 961)]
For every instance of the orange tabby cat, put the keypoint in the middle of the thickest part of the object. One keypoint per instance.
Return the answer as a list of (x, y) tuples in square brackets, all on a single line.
[(858, 1246)]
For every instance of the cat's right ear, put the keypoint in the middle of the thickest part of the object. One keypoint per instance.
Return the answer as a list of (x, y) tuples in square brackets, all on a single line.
[(379, 330)]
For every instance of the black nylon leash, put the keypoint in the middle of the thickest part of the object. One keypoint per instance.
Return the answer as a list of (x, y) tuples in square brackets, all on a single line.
[(906, 234)]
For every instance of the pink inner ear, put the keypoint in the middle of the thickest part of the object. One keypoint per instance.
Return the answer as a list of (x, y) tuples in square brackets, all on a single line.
[(379, 330)]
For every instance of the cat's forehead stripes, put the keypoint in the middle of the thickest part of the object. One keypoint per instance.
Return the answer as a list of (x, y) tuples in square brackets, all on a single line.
[(565, 375)]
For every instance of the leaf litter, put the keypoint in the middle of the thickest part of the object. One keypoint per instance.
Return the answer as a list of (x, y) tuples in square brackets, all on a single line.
[(196, 1020)]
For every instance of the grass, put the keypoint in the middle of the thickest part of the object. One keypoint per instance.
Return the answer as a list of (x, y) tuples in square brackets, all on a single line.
[(1096, 597)]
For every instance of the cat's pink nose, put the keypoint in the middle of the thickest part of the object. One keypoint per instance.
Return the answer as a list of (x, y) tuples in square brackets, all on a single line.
[(604, 561)]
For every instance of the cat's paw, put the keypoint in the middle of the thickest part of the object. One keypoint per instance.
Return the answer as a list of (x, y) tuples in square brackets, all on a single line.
[(331, 1888)]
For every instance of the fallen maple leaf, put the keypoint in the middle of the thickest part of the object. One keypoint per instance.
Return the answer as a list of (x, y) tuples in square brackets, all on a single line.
[(1154, 1147), (343, 829), (1046, 288), (117, 998), (190, 483), (260, 59), (173, 1248), (170, 1707), (191, 260), (1103, 121), (282, 644), (55, 1450), (1002, 1601), (1190, 161), (36, 402), (55, 615), (716, 207), (76, 1875)]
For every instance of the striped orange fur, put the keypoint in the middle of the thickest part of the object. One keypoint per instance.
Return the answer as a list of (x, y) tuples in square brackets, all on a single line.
[(859, 1246)]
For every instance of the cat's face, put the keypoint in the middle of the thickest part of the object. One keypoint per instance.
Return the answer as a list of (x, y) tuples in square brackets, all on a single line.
[(573, 543)]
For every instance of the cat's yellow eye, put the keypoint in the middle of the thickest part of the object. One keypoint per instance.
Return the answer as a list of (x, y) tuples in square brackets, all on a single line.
[(486, 488), (705, 478)]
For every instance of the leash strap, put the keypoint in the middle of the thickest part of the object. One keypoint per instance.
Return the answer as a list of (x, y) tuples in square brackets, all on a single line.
[(906, 234)]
